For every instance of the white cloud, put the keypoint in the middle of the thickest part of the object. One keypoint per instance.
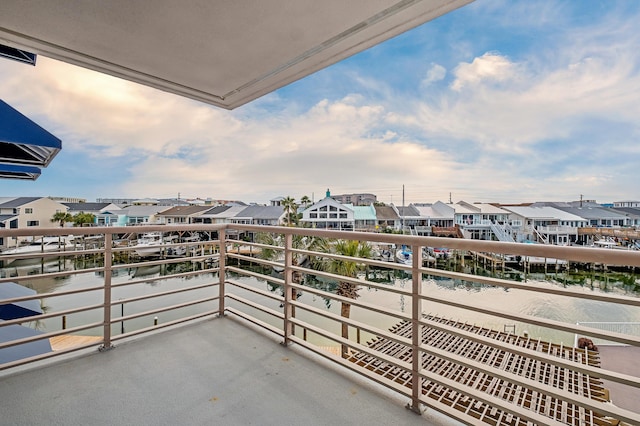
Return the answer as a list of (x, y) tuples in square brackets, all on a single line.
[(434, 74), (488, 68)]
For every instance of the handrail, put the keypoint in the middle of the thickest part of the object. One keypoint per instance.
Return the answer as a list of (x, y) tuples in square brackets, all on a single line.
[(296, 319)]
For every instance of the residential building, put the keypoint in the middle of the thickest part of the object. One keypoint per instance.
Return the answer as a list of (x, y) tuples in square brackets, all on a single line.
[(329, 214), (182, 214), (27, 212), (356, 199)]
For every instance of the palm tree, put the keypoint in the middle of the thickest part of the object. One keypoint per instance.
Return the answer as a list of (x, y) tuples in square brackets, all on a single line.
[(83, 218), (347, 268), (305, 201), (290, 211), (62, 218)]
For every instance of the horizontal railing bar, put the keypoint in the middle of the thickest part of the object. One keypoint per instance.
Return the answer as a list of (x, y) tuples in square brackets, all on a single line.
[(535, 355), (624, 300), (255, 321), (259, 307), (365, 261), (47, 355), (352, 302), (48, 335), (252, 289), (52, 274), (165, 277), (255, 260), (352, 366), (163, 325), (358, 347), (163, 309), (356, 324), (557, 325), (580, 254), (161, 294), (50, 295), (51, 315), (244, 272), (356, 281)]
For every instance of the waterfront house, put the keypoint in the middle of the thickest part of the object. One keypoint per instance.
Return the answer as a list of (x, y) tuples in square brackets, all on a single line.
[(329, 214), (482, 221), (593, 213), (181, 214), (364, 217), (437, 214), (544, 224), (106, 213), (140, 215), (260, 215), (387, 218), (632, 214), (27, 212), (220, 214)]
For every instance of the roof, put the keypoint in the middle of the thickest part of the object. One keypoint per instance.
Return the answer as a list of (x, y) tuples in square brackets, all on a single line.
[(5, 217), (228, 212), (223, 53), (17, 202), (386, 213), (139, 211), (262, 212), (216, 210), (544, 212), (363, 212), (86, 206), (407, 211), (628, 211), (183, 211), (593, 212), (433, 212)]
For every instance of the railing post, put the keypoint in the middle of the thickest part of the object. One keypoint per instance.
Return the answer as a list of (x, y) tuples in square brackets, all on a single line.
[(222, 264), (106, 345), (416, 335), (288, 278)]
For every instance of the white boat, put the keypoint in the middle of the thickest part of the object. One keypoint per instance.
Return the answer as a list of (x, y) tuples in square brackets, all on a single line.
[(46, 244), (152, 244), (404, 256)]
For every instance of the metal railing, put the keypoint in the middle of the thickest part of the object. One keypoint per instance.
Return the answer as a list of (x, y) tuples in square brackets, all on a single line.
[(301, 305)]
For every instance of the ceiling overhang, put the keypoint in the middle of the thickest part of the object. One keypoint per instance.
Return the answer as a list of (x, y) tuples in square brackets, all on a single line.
[(225, 53)]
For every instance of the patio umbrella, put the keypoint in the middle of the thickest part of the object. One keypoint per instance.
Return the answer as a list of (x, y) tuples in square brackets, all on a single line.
[(27, 308)]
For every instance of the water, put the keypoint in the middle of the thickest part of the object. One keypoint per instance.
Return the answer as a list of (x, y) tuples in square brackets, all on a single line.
[(565, 309)]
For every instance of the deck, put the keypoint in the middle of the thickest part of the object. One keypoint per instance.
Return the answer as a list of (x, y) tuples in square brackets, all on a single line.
[(213, 372)]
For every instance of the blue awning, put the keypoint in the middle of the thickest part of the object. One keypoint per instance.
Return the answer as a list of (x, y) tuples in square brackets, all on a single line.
[(11, 171), (26, 308), (23, 142), (9, 333)]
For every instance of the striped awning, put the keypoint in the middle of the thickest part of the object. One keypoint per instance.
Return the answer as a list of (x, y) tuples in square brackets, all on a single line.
[(12, 171)]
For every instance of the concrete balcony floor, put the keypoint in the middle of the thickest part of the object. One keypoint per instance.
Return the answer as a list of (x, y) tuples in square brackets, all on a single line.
[(215, 372)]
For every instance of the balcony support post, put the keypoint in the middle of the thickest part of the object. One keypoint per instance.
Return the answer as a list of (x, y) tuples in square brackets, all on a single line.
[(108, 261), (416, 335), (222, 264), (288, 278)]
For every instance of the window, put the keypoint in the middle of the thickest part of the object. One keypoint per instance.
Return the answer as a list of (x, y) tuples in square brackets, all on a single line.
[(333, 215), (323, 215), (313, 215), (343, 215), (33, 223), (28, 211), (333, 208), (323, 208)]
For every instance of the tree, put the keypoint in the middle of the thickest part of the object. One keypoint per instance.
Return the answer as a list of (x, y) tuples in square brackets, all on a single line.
[(290, 211), (83, 218), (347, 268), (62, 218), (305, 201)]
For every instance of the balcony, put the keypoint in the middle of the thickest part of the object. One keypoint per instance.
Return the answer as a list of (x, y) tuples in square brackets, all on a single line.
[(216, 332)]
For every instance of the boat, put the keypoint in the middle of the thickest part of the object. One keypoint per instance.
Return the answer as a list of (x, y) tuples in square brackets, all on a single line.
[(404, 256), (41, 245), (152, 244), (439, 252)]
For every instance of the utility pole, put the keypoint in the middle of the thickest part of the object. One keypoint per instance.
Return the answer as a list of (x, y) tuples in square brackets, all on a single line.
[(580, 200)]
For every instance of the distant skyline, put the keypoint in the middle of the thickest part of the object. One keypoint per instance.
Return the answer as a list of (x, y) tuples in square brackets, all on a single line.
[(498, 101)]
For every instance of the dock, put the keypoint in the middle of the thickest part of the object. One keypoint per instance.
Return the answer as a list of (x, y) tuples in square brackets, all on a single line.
[(549, 374)]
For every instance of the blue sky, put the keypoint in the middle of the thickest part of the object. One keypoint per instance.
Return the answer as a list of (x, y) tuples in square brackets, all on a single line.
[(499, 101)]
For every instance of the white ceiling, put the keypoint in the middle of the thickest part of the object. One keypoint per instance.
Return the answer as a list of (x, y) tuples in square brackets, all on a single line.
[(223, 52)]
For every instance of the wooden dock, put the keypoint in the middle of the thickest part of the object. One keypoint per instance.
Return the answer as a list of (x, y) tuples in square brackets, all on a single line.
[(68, 341), (563, 378)]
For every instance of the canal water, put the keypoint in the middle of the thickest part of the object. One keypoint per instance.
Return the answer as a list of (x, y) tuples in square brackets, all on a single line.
[(532, 303)]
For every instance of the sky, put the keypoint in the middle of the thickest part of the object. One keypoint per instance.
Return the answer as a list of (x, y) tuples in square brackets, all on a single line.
[(499, 101)]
